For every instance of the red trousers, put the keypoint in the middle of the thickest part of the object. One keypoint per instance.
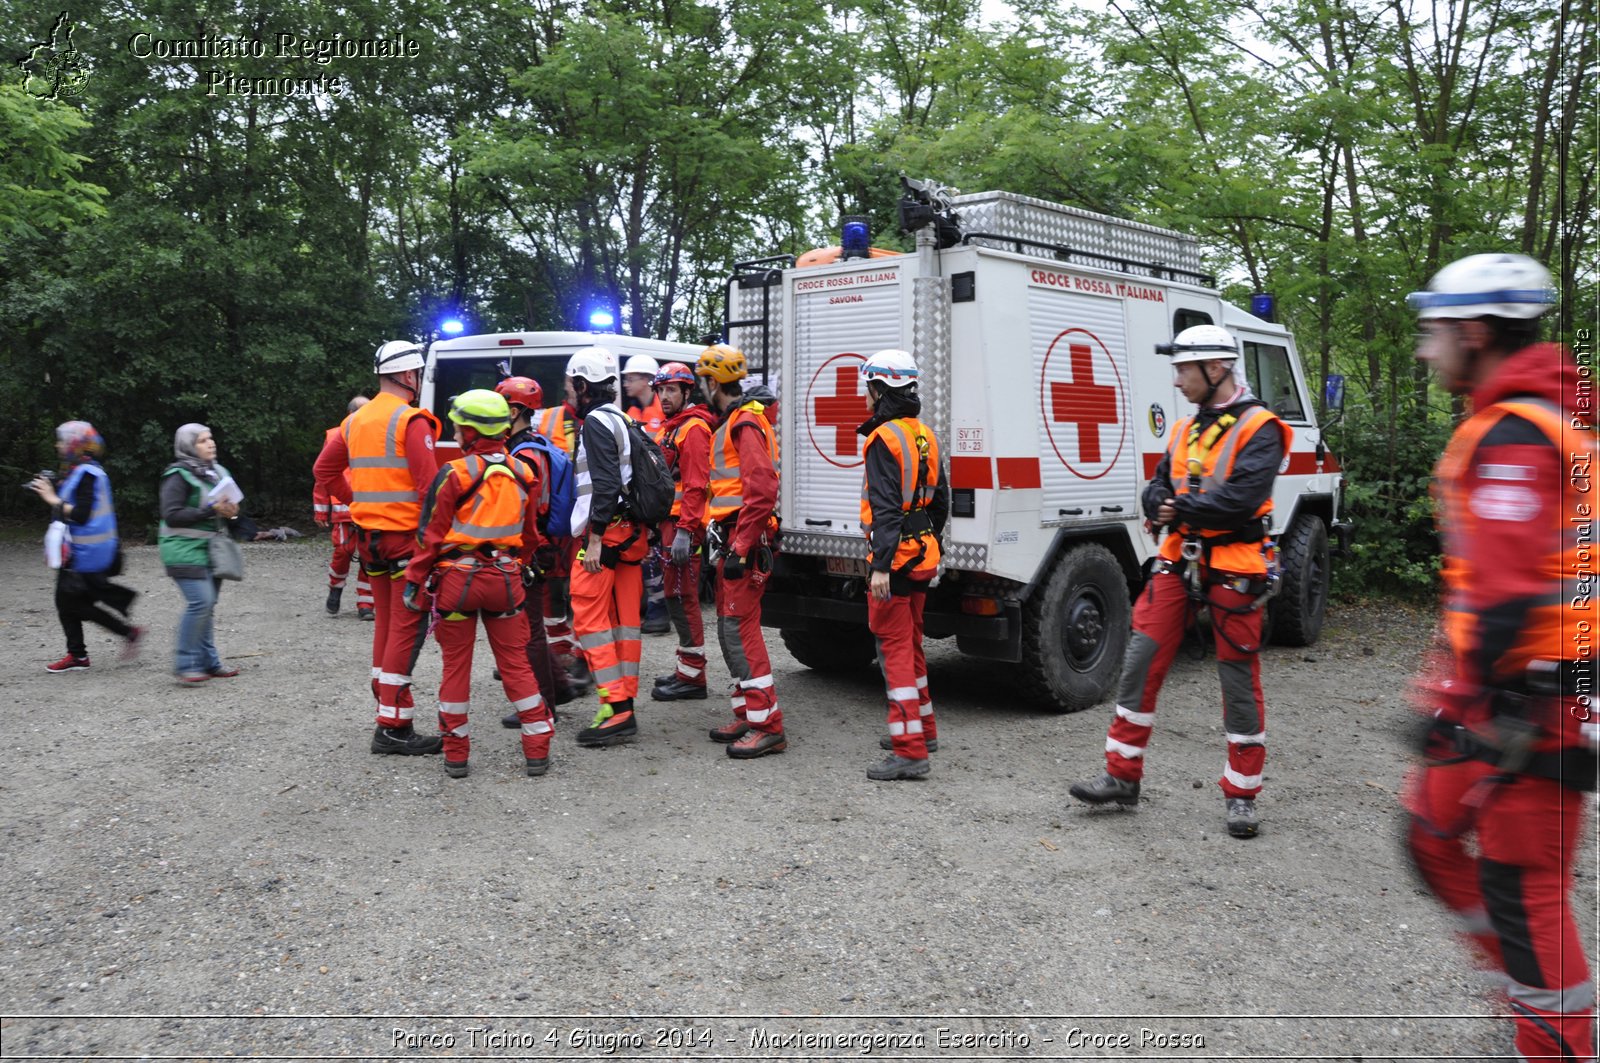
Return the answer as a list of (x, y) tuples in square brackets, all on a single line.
[(683, 605), (397, 632), (745, 651), (1159, 618), (897, 623), (605, 614), (344, 550), (1513, 896)]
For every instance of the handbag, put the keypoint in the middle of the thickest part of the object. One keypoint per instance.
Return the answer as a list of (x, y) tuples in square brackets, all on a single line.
[(57, 544), (227, 560)]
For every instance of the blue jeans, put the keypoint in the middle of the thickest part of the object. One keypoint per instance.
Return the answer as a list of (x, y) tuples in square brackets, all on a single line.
[(196, 650)]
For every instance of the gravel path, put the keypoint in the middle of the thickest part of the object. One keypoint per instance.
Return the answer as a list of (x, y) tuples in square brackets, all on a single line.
[(226, 870)]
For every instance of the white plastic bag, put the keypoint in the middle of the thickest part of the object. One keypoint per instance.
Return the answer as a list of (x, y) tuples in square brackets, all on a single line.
[(57, 544)]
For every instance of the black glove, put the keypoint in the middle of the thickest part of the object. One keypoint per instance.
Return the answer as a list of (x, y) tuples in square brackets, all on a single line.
[(682, 548), (409, 596), (544, 555), (733, 567)]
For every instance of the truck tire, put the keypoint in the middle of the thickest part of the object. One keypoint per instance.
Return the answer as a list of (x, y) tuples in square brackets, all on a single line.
[(1075, 629), (1297, 611), (842, 648)]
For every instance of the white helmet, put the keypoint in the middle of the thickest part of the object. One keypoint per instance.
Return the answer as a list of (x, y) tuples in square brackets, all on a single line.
[(642, 363), (1498, 285), (397, 356), (894, 368), (593, 363), (1200, 343)]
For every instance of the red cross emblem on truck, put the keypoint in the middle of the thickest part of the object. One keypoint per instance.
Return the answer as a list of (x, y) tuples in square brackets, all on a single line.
[(837, 404), (1084, 401)]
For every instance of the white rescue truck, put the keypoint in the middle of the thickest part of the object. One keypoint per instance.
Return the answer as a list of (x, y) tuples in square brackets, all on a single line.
[(1035, 326), (465, 362)]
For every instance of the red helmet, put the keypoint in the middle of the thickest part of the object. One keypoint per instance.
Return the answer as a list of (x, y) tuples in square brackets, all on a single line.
[(675, 373), (521, 391)]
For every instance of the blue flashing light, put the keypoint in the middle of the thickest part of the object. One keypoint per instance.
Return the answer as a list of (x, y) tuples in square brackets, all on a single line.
[(1264, 305), (452, 326), (855, 237), (601, 320)]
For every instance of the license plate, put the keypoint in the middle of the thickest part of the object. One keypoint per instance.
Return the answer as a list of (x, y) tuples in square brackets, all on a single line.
[(846, 566)]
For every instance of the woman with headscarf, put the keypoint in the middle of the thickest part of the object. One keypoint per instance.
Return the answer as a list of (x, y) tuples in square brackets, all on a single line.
[(190, 518), (84, 579)]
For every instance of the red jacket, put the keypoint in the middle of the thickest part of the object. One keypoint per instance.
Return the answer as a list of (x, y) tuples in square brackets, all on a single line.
[(1516, 510), (331, 505), (688, 451)]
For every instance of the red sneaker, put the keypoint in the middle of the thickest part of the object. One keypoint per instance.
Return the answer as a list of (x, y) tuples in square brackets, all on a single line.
[(69, 663)]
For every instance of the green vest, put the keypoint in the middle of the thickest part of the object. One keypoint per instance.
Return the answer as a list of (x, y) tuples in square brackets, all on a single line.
[(191, 545)]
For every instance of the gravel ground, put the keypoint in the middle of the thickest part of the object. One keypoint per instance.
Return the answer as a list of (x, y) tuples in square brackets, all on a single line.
[(227, 871)]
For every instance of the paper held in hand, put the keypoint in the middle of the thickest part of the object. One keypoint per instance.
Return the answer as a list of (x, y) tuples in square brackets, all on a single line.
[(225, 491)]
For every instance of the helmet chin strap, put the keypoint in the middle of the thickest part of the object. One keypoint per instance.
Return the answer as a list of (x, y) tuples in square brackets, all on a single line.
[(1215, 384)]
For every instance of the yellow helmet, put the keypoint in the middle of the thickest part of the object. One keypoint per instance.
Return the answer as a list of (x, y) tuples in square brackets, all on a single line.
[(721, 363), (483, 410)]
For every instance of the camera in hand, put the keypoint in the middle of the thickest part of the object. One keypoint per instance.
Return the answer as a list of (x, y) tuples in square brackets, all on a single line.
[(48, 474)]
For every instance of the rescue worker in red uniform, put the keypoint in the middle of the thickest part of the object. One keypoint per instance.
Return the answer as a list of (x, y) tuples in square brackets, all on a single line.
[(525, 396), (686, 443), (560, 424), (606, 584), (904, 503), (332, 511), (1511, 748), (479, 528), (387, 448), (1212, 491), (742, 517)]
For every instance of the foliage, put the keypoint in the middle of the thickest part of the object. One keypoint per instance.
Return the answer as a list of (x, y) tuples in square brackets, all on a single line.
[(174, 255)]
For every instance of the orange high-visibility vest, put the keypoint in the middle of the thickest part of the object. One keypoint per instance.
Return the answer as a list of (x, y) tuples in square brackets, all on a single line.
[(727, 487), (552, 424), (1216, 450), (494, 514), (383, 496), (917, 451), (651, 418), (680, 434), (1567, 607)]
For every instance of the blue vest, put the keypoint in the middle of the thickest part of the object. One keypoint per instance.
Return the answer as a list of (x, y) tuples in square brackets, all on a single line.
[(94, 542)]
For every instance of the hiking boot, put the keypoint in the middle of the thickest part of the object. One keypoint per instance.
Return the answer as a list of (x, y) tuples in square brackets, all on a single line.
[(674, 688), (365, 612), (69, 663), (612, 724), (537, 766), (757, 744), (334, 595), (730, 732), (405, 742), (457, 769), (130, 645), (897, 767), (1106, 788), (511, 721), (1242, 821), (888, 743)]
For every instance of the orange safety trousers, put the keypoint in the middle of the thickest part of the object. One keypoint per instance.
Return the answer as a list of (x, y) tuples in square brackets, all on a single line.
[(462, 595), (897, 625), (605, 615)]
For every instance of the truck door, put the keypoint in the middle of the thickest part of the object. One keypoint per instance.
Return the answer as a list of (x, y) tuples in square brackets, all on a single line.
[(1088, 458), (839, 319)]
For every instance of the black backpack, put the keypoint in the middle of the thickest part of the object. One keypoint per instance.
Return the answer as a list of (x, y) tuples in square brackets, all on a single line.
[(651, 489)]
